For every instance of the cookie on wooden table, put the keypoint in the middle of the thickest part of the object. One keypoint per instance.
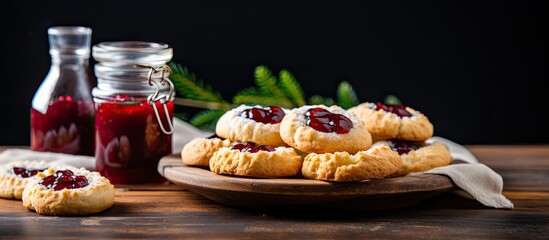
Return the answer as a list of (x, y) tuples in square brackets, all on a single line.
[(15, 176), (68, 192)]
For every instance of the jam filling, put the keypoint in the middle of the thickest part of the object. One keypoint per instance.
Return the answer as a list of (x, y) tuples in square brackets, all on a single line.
[(252, 147), (404, 147), (399, 110), (271, 115), (322, 120), (64, 179), (25, 173)]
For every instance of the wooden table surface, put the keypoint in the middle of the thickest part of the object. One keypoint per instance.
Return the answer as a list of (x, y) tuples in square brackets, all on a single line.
[(167, 211)]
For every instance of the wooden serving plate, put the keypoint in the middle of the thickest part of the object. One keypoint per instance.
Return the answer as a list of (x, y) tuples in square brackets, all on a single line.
[(302, 193)]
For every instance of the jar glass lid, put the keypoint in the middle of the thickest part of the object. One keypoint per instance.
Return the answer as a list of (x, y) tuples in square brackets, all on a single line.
[(132, 52)]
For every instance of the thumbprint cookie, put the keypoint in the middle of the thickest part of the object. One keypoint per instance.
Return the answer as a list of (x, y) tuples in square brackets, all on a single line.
[(376, 162), (322, 129), (15, 176), (252, 160), (385, 121), (252, 124), (418, 156), (68, 192), (198, 151)]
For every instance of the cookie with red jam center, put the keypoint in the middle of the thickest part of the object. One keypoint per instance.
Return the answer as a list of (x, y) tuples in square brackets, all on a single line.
[(388, 121), (252, 124), (417, 156), (15, 176), (198, 151), (68, 192), (248, 159), (322, 129)]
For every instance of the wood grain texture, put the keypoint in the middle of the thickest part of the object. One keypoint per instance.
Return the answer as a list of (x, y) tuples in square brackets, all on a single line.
[(523, 168), (183, 214), (298, 192), (166, 212)]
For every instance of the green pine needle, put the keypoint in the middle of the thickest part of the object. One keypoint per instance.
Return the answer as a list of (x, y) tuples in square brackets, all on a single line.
[(319, 100), (182, 116), (346, 95), (189, 86), (285, 92), (266, 82), (251, 96), (392, 99), (203, 118), (291, 87)]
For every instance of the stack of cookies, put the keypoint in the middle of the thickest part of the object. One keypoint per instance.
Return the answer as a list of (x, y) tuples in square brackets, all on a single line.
[(320, 142), (405, 130), (247, 143)]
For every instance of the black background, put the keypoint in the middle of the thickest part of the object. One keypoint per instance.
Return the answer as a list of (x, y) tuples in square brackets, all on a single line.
[(477, 70)]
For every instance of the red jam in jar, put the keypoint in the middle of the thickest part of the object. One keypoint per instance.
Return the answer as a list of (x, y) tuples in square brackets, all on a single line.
[(66, 127), (130, 135), (130, 143)]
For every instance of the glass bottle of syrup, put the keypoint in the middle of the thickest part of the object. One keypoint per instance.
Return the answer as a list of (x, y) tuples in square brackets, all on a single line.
[(62, 112)]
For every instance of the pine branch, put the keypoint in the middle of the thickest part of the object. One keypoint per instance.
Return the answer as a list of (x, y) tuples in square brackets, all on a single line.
[(251, 96), (285, 92), (182, 116), (266, 82), (392, 99), (319, 100), (291, 87), (189, 86), (346, 96), (206, 117)]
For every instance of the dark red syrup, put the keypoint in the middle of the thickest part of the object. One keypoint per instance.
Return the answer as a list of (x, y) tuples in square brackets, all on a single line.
[(66, 127)]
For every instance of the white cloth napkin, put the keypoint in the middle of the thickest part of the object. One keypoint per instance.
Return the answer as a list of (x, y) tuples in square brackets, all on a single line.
[(15, 154), (477, 180)]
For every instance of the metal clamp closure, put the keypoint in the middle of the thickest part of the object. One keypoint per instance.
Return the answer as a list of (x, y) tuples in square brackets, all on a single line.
[(157, 97)]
